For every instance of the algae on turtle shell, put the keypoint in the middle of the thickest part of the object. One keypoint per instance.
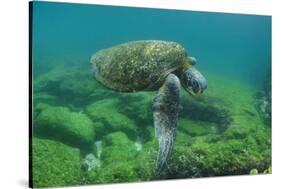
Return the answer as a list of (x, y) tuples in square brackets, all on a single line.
[(137, 65)]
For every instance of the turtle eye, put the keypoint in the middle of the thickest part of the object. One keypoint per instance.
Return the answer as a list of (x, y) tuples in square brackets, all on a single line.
[(195, 86)]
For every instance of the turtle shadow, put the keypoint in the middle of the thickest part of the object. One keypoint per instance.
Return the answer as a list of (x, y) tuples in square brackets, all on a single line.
[(208, 109)]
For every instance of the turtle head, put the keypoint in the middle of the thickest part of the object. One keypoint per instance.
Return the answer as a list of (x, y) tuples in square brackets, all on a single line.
[(192, 80)]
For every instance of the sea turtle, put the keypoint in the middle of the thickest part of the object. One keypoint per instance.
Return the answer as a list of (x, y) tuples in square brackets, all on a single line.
[(150, 65)]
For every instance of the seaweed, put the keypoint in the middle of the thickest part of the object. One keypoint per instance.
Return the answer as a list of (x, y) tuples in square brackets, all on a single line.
[(54, 164), (219, 133)]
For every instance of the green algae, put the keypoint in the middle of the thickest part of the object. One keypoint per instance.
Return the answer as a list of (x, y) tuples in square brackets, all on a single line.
[(145, 161), (106, 111), (118, 156), (242, 145), (117, 147), (195, 128), (113, 173), (64, 125), (219, 133), (54, 164), (138, 106)]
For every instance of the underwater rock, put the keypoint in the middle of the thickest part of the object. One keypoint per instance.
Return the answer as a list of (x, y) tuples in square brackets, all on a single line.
[(118, 163), (90, 162), (117, 147), (184, 164), (64, 125), (138, 106), (81, 86), (106, 112), (147, 133), (50, 81), (69, 85), (54, 164), (195, 128), (215, 155), (209, 110), (145, 161), (44, 97), (38, 108), (127, 169), (116, 172), (184, 139)]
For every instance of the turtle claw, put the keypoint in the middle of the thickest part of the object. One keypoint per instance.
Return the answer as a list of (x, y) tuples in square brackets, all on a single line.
[(165, 114)]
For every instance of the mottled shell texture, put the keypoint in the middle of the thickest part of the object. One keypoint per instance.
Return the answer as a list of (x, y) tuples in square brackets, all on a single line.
[(137, 65)]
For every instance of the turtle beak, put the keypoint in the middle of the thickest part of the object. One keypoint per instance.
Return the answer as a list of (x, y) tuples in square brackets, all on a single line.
[(193, 81)]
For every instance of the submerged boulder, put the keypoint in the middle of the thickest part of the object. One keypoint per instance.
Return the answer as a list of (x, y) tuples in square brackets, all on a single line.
[(113, 173), (54, 164), (74, 128), (138, 106), (69, 85), (117, 147), (118, 165), (145, 161), (106, 112), (195, 128)]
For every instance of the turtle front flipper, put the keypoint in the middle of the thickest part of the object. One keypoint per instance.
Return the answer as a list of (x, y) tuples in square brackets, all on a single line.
[(165, 114)]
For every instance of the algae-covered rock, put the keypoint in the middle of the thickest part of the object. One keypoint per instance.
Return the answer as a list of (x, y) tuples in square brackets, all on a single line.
[(38, 108), (195, 128), (145, 161), (54, 164), (113, 173), (205, 156), (183, 138), (117, 157), (184, 163), (79, 86), (44, 97), (64, 125), (69, 85), (138, 106), (50, 81), (123, 163), (207, 110), (220, 133), (117, 148), (106, 112)]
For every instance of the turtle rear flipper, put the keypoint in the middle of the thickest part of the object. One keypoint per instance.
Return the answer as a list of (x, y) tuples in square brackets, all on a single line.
[(165, 114)]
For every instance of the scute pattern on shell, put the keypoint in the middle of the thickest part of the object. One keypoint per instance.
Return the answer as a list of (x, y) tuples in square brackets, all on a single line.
[(137, 65)]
